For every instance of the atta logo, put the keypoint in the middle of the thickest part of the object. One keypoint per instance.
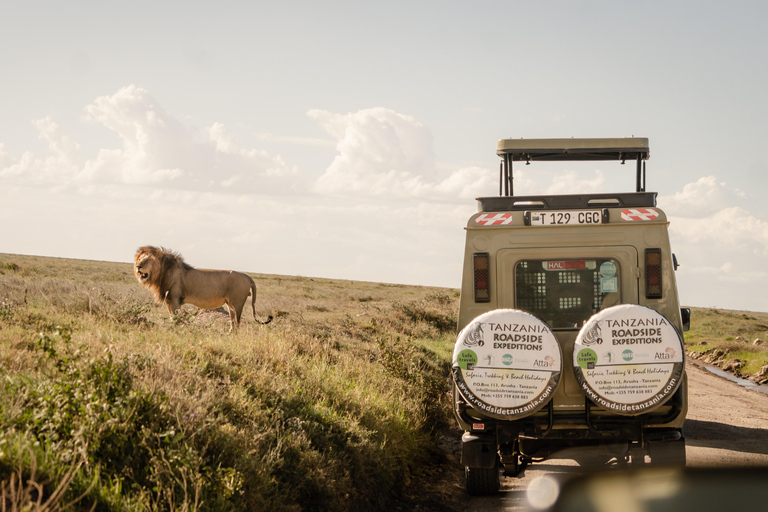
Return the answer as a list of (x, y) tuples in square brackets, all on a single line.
[(546, 363), (669, 353)]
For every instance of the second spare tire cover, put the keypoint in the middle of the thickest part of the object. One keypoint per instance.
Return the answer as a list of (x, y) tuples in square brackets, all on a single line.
[(507, 364), (628, 359)]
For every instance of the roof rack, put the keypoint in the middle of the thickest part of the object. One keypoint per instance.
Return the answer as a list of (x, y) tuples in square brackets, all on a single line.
[(565, 202), (528, 150)]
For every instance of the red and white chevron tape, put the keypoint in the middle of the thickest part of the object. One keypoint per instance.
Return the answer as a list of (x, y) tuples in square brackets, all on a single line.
[(639, 214), (494, 219)]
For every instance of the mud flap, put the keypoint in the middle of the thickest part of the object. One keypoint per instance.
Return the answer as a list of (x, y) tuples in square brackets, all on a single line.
[(478, 451)]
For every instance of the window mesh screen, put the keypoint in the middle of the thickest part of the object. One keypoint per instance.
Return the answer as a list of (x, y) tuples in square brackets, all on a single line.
[(566, 293), (569, 302)]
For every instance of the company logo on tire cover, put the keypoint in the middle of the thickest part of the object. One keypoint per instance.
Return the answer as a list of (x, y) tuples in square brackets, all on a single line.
[(593, 336), (636, 366), (507, 363), (475, 336)]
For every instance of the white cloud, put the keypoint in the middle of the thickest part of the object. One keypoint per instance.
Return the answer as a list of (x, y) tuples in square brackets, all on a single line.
[(156, 147), (299, 141), (468, 183), (722, 248), (62, 164), (381, 152), (387, 154), (702, 198), (156, 150), (705, 213), (732, 229), (251, 170)]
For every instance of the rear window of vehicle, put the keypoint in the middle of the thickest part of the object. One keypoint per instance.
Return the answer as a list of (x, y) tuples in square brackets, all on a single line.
[(565, 293)]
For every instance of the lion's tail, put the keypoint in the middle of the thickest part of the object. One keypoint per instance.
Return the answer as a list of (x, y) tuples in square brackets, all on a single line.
[(253, 304)]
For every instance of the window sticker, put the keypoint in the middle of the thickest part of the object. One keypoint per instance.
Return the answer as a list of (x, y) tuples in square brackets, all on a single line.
[(609, 285), (569, 265), (608, 269)]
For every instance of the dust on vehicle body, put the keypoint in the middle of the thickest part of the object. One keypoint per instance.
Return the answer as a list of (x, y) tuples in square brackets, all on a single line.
[(570, 329)]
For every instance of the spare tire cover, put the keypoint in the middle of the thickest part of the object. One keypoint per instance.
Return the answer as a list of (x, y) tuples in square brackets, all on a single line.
[(507, 363), (628, 359)]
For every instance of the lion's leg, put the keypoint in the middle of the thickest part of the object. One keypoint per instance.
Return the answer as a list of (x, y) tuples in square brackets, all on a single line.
[(253, 299), (173, 304), (236, 308), (234, 317)]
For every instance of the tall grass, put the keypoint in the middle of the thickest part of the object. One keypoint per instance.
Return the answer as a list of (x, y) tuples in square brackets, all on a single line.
[(105, 402)]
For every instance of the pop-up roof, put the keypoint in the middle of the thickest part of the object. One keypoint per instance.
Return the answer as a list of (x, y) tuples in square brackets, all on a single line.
[(574, 149), (528, 150)]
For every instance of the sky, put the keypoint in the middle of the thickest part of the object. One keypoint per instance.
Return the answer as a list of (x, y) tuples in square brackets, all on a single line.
[(349, 140)]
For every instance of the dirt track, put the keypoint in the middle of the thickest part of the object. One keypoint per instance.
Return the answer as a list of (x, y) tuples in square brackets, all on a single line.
[(727, 425)]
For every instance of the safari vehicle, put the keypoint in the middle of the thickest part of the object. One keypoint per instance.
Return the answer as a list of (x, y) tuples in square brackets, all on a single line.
[(570, 341)]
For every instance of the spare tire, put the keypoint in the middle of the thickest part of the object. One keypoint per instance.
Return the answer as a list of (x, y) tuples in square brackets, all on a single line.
[(507, 364), (629, 359)]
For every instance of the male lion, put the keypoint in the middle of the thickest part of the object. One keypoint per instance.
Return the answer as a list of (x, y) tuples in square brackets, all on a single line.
[(175, 282)]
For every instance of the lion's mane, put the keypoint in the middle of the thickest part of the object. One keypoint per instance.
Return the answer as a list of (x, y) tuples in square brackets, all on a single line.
[(165, 275)]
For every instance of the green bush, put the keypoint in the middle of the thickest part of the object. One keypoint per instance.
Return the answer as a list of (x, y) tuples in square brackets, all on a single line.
[(88, 411)]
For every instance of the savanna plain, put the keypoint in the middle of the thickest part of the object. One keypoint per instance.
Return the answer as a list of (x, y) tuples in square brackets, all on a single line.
[(341, 403)]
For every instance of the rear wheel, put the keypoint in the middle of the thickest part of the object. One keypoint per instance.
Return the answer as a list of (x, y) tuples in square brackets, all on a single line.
[(481, 481)]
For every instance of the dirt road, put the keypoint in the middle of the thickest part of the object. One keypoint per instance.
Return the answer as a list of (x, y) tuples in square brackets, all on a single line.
[(727, 425)]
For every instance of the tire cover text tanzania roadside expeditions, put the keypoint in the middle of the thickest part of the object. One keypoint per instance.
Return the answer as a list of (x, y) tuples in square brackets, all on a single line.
[(507, 363), (628, 359)]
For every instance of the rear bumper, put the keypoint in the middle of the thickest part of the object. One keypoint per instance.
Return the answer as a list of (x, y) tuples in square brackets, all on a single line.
[(548, 429)]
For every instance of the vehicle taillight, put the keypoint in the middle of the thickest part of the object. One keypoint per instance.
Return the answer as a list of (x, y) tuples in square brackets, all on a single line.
[(653, 273), (482, 277)]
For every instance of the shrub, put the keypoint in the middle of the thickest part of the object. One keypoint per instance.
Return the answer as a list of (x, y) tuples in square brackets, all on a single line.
[(89, 410)]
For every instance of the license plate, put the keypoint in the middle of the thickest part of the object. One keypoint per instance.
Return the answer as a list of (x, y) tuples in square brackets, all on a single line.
[(563, 218)]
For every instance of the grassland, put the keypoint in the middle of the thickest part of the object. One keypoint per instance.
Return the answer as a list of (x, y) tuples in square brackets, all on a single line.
[(341, 403), (736, 341)]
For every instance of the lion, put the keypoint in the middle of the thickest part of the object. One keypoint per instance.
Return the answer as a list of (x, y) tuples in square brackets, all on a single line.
[(175, 282)]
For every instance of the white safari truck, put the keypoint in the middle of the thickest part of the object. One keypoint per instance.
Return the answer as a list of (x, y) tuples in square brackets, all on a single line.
[(570, 331)]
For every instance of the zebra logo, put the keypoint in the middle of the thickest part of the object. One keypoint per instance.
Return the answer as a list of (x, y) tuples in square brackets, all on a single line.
[(593, 336), (475, 336)]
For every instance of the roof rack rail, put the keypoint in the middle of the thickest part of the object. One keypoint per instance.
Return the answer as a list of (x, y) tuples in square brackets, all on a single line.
[(565, 202), (528, 150)]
